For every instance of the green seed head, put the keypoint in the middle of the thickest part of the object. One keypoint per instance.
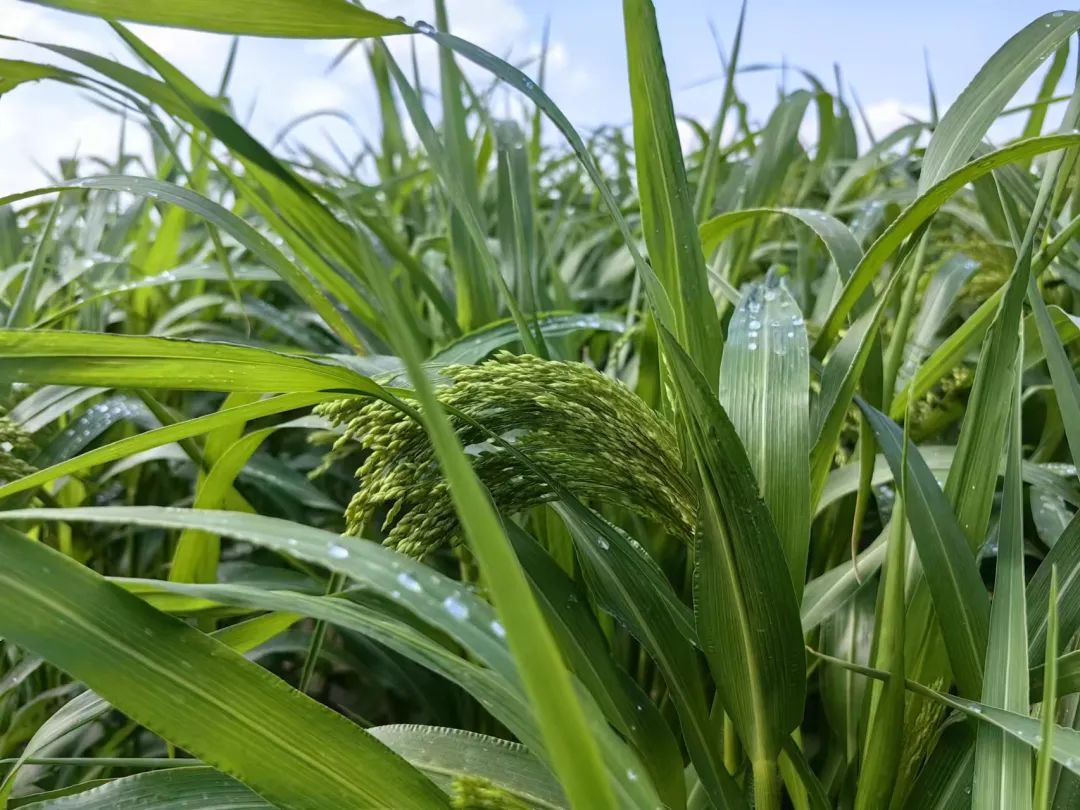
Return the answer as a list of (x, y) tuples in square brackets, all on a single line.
[(477, 793), (14, 443), (577, 425)]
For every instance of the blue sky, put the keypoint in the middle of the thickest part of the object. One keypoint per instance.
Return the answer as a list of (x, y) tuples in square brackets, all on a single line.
[(879, 47)]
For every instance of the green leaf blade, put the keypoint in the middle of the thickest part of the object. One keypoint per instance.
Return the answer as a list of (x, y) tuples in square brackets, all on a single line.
[(764, 387), (222, 708), (322, 19)]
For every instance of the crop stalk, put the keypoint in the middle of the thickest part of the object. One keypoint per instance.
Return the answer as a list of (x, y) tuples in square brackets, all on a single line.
[(766, 784)]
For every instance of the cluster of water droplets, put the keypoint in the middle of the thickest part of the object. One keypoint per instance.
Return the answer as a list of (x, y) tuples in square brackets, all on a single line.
[(753, 306), (453, 604), (778, 314), (100, 417)]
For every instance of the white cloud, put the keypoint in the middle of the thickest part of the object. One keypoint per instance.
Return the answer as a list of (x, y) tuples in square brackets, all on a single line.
[(316, 93), (499, 26), (688, 137), (42, 121), (890, 114), (28, 21), (199, 54), (278, 80), (40, 125)]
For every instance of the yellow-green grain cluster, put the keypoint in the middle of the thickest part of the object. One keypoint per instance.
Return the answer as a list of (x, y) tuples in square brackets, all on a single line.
[(572, 422), (14, 445), (477, 793)]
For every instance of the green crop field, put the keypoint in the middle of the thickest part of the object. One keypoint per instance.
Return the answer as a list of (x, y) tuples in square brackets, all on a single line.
[(503, 465)]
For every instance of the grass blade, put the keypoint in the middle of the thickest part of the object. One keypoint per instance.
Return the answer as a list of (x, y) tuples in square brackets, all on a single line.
[(330, 19), (746, 611), (129, 361), (949, 567), (916, 214), (764, 387), (965, 124), (1002, 764), (179, 788), (666, 206), (22, 311), (222, 708), (1066, 384), (575, 755), (178, 432), (885, 700), (446, 754), (1041, 799)]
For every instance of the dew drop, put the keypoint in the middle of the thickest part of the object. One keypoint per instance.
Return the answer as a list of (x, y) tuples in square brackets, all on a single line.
[(455, 608), (603, 543), (409, 582), (498, 629), (631, 774), (424, 27), (337, 552), (752, 346), (755, 324)]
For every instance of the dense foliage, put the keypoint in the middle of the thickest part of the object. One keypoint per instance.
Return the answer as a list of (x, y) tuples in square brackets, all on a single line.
[(498, 466)]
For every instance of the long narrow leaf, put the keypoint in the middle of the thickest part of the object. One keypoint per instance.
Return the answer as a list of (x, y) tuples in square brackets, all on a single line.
[(219, 706)]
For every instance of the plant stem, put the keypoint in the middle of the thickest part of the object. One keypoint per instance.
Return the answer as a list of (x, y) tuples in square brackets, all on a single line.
[(766, 785), (318, 636), (732, 754)]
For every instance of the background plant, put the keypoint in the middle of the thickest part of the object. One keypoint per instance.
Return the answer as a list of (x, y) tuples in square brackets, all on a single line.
[(744, 476)]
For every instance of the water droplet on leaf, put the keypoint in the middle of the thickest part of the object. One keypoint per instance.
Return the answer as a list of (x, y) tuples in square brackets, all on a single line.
[(456, 608)]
